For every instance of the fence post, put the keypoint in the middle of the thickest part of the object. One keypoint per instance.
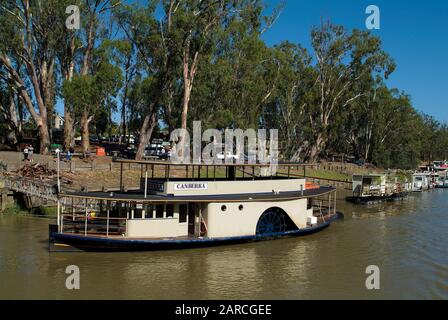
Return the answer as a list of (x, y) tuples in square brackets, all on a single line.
[(85, 223), (107, 222)]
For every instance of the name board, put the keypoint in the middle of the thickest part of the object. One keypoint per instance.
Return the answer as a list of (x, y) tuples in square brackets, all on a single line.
[(155, 186), (190, 186)]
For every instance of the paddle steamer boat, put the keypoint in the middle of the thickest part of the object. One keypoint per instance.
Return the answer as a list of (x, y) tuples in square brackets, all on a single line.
[(191, 206)]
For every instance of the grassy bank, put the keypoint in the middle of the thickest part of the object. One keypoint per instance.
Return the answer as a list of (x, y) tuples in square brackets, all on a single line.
[(16, 209)]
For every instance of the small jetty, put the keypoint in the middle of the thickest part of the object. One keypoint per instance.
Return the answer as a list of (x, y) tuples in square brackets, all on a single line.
[(35, 186)]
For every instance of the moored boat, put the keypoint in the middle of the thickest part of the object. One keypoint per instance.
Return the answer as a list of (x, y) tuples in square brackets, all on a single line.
[(421, 181), (191, 206), (374, 188), (441, 181)]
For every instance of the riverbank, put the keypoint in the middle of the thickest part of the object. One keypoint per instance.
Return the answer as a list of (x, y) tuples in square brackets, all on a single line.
[(105, 174), (101, 171)]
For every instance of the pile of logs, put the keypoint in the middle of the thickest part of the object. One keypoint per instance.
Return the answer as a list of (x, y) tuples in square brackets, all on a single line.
[(36, 171)]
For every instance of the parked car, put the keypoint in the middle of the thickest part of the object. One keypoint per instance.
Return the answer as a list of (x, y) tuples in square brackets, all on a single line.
[(129, 153), (154, 150), (229, 155), (94, 139)]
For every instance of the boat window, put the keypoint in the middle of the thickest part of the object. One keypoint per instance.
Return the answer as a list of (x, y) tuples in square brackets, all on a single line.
[(138, 211), (149, 212), (159, 211), (241, 207), (223, 208), (183, 212), (310, 204), (169, 210)]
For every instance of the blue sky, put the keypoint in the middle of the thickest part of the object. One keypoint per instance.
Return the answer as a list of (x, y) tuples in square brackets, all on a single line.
[(414, 33)]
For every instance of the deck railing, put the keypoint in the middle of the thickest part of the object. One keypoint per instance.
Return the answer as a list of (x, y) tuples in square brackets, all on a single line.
[(88, 225)]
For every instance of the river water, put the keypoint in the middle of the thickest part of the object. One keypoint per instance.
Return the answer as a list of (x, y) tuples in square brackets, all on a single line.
[(406, 240)]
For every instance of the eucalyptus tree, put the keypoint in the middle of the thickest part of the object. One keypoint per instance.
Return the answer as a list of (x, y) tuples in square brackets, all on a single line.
[(429, 131), (287, 111), (342, 59), (88, 95), (9, 118), (142, 107), (141, 27), (396, 142), (68, 54), (93, 33), (356, 126), (30, 31), (192, 31), (122, 55), (237, 78)]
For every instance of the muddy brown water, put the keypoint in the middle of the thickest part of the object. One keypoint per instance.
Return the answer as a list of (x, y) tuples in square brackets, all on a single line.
[(406, 240)]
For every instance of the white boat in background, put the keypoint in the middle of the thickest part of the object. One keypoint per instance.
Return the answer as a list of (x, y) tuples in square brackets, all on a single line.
[(441, 181), (440, 165), (421, 181)]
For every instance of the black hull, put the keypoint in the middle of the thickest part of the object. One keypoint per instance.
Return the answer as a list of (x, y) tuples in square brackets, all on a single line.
[(376, 199), (98, 244)]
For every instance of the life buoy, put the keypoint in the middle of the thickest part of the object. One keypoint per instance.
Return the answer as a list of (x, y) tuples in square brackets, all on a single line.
[(91, 215)]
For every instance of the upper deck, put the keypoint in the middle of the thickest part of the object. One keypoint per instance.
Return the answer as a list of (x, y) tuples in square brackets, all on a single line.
[(162, 181), (209, 198)]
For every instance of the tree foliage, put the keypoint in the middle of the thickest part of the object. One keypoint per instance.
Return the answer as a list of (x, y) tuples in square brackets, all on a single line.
[(171, 62)]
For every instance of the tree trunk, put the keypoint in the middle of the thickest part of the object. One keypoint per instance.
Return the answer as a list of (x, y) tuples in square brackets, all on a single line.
[(110, 124), (149, 123), (316, 149), (123, 121), (69, 132), (20, 111), (44, 138), (68, 69), (12, 137), (85, 132), (186, 101)]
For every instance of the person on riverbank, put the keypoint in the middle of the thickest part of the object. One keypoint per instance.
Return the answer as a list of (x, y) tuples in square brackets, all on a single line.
[(72, 152), (68, 155), (31, 153), (25, 154)]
